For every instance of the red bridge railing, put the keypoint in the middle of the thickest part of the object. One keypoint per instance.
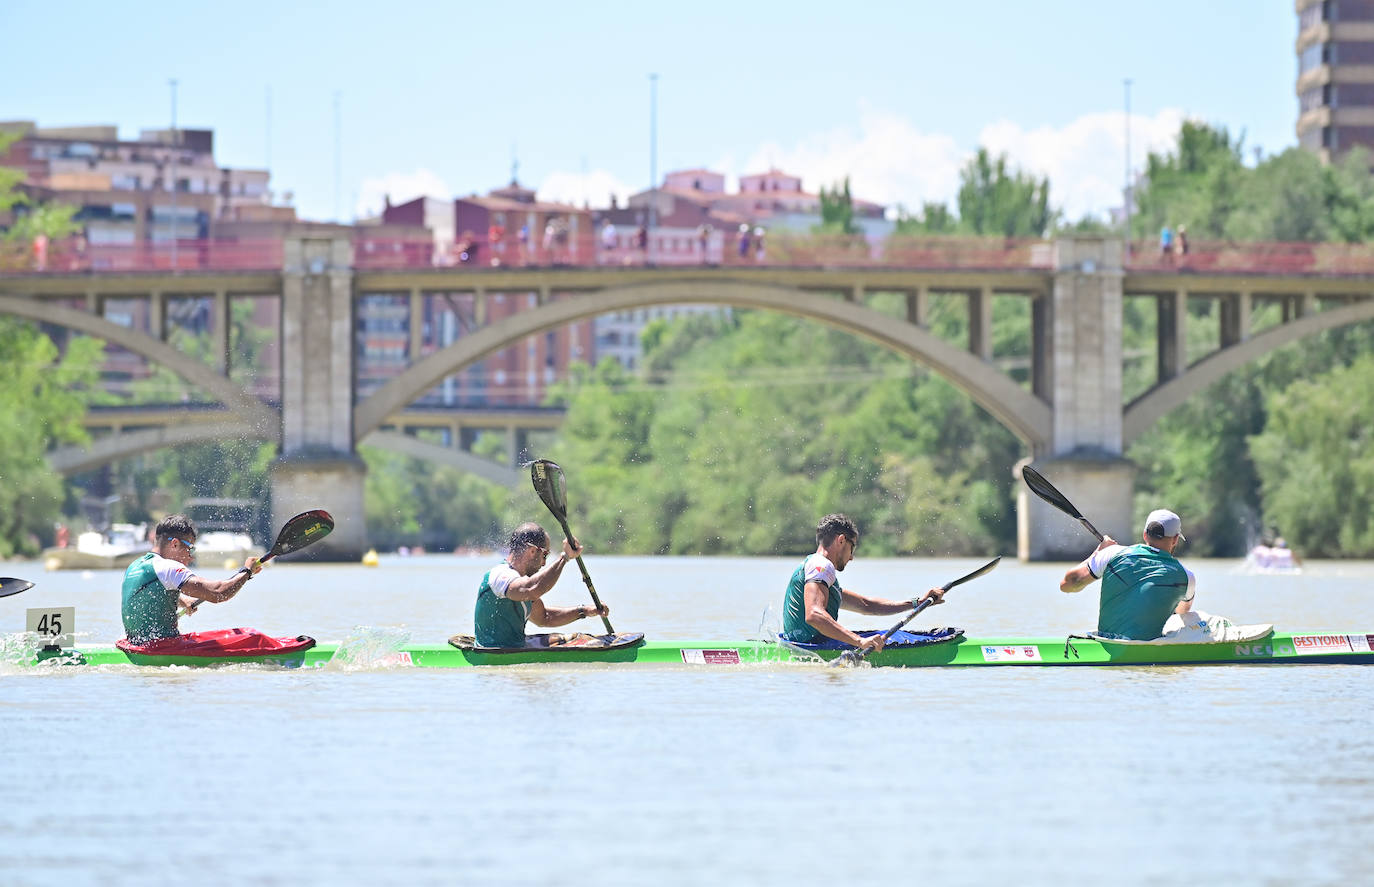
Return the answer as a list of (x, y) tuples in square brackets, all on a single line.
[(727, 249)]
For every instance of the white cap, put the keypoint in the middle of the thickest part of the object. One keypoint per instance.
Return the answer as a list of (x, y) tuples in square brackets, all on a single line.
[(1170, 523)]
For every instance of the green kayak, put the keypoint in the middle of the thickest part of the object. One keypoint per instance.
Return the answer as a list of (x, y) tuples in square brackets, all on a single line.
[(1313, 648)]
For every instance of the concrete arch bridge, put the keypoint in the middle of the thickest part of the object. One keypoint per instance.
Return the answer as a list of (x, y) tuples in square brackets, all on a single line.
[(1071, 415)]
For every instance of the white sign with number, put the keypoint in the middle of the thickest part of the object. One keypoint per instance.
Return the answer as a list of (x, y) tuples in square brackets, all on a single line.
[(55, 625)]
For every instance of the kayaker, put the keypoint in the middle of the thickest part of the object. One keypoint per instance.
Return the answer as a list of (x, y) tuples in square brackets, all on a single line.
[(161, 580), (510, 593), (811, 609), (1142, 585)]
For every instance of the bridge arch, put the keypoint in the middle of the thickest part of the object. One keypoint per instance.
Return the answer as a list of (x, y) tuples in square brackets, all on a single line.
[(243, 405), (1024, 414), (74, 459), (1147, 409)]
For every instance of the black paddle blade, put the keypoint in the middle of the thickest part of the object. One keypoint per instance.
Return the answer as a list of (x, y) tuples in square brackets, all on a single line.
[(548, 483), (9, 586), (304, 529), (1045, 490), (985, 568)]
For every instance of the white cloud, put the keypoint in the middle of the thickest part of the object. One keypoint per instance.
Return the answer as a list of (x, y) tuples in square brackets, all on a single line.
[(1085, 160), (399, 187), (591, 188), (888, 159)]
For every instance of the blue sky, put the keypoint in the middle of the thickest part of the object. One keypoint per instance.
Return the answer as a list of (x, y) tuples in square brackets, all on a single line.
[(433, 96)]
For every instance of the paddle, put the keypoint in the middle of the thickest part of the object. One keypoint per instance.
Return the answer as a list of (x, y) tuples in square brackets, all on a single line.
[(548, 483), (304, 529), (856, 655), (9, 586), (1045, 490)]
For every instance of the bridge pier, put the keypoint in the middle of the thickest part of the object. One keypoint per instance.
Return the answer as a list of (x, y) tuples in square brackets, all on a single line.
[(319, 467), (1084, 460)]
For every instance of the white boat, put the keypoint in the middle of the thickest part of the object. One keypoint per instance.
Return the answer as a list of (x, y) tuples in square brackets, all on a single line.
[(216, 548), (114, 549)]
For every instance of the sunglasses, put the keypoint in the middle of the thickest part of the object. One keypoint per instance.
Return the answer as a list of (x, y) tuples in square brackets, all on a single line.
[(190, 549)]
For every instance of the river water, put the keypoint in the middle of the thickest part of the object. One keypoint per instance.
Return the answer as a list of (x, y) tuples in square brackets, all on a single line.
[(763, 774)]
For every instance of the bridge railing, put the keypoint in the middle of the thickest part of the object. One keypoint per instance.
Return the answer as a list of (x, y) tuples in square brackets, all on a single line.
[(1222, 257), (778, 248)]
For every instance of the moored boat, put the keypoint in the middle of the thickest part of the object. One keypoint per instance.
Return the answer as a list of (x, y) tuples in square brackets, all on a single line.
[(1297, 648), (114, 549)]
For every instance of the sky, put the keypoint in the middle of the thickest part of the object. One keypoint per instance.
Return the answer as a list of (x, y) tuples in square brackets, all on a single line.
[(350, 102)]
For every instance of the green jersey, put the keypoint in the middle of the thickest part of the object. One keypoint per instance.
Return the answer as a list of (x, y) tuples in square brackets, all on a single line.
[(816, 568), (1141, 587), (148, 605), (498, 620)]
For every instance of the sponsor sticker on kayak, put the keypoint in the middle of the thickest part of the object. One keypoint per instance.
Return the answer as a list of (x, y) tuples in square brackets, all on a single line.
[(711, 657), (1318, 644), (1011, 653)]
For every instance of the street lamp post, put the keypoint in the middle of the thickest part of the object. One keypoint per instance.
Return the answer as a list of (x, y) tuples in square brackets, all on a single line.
[(1130, 185), (653, 161), (172, 174)]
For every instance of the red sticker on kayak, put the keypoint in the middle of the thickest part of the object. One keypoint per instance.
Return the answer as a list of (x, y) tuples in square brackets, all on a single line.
[(711, 657)]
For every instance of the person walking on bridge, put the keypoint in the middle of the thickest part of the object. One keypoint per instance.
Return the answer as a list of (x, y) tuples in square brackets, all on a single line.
[(811, 608), (1142, 585)]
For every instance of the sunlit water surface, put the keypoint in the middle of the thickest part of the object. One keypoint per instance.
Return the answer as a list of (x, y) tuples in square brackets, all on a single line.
[(772, 774)]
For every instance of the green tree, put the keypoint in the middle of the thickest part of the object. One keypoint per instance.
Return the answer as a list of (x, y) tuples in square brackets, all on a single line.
[(837, 210), (995, 200), (42, 400), (1315, 460)]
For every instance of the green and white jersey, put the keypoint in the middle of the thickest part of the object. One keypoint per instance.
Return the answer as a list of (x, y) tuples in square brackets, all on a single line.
[(498, 620), (1141, 587), (816, 568), (149, 598)]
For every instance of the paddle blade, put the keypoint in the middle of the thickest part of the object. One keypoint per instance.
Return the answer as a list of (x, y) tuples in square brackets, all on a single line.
[(985, 568), (304, 529), (548, 483), (1045, 490), (9, 586)]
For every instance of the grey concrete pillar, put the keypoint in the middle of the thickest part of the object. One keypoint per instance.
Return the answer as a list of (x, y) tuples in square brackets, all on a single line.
[(157, 315), (223, 322), (980, 323), (1171, 330), (1042, 346), (918, 306), (1084, 462), (318, 467)]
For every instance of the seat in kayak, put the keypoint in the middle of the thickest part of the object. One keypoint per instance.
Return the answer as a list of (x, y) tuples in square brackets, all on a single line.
[(898, 639), (227, 644), (556, 643)]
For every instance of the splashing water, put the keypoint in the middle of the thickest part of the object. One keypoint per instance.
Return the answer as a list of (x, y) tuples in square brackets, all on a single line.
[(368, 648)]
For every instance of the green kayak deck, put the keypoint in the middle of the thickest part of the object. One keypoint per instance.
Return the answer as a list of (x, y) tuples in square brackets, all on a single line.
[(1315, 648)]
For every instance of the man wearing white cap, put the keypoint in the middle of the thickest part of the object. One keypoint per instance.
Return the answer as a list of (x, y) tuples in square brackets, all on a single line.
[(1141, 584)]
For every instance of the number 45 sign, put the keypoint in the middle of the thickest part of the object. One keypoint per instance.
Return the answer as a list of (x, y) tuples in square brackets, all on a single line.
[(55, 625)]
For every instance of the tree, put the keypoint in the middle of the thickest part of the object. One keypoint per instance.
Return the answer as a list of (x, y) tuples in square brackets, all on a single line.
[(996, 201), (837, 211)]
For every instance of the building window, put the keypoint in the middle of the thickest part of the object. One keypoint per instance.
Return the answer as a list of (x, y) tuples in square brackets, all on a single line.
[(1312, 57)]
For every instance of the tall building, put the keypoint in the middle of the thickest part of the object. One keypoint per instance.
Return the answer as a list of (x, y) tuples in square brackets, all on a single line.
[(1335, 75)]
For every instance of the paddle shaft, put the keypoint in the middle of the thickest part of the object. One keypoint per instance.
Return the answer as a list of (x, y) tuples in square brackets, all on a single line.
[(586, 577), (267, 557)]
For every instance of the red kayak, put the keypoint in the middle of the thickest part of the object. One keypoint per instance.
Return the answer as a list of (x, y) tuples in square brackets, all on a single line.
[(225, 645)]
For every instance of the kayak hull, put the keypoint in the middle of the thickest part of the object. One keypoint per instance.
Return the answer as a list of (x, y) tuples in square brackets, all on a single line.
[(1316, 648)]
